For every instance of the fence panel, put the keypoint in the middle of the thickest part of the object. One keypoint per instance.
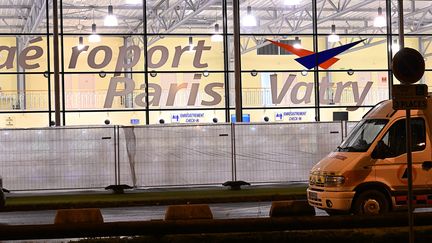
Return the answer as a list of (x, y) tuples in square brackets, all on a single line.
[(282, 152), (57, 158), (175, 155)]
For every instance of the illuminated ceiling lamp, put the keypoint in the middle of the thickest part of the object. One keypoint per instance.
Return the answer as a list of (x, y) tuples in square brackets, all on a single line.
[(110, 19), (94, 37), (191, 46), (333, 37), (80, 43), (297, 43), (216, 37), (291, 2), (249, 20), (133, 1), (190, 43), (379, 20)]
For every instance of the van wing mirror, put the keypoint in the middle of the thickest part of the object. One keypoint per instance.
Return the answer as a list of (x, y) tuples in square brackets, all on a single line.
[(380, 151)]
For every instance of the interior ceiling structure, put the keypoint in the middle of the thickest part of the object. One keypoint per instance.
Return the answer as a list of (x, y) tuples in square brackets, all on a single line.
[(199, 16)]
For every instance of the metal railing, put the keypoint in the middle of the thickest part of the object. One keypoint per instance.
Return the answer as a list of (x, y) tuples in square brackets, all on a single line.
[(68, 158), (95, 99)]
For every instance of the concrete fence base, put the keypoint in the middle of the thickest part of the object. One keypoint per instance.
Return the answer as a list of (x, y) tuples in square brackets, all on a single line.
[(190, 211), (76, 216)]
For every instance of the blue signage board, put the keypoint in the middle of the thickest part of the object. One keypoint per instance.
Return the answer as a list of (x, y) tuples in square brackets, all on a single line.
[(134, 121), (246, 118)]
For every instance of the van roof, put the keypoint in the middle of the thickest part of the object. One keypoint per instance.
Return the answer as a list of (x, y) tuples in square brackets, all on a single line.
[(384, 110)]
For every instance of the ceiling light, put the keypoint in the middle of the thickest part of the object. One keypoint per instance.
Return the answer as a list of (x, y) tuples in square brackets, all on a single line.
[(249, 20), (110, 19), (216, 37), (333, 37), (133, 1), (191, 46), (94, 37), (80, 26), (297, 43), (291, 2), (80, 43), (379, 20)]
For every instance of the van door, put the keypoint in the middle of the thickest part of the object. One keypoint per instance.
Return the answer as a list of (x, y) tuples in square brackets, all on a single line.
[(393, 169)]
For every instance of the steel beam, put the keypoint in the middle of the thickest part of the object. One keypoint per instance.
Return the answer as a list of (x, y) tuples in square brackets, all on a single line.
[(177, 15), (35, 17)]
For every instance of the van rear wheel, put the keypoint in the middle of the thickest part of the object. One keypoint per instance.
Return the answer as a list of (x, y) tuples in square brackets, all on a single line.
[(371, 202)]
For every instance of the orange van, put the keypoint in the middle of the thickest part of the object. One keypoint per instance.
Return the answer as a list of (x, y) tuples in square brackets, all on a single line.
[(367, 173)]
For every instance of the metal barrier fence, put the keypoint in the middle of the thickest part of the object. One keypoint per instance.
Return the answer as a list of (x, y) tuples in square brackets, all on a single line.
[(282, 152), (66, 158), (57, 158), (174, 155)]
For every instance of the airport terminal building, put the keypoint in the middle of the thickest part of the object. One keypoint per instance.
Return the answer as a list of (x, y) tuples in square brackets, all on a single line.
[(136, 62)]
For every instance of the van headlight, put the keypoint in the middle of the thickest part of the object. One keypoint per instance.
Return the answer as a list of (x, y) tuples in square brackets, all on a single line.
[(334, 180)]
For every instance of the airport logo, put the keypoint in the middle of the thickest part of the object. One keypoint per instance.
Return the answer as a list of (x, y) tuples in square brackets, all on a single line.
[(310, 59)]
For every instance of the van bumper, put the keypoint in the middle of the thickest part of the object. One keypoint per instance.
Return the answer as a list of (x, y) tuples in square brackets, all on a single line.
[(330, 200)]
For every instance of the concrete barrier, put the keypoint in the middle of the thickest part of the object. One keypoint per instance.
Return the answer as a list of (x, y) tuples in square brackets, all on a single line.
[(189, 211), (76, 216), (291, 208)]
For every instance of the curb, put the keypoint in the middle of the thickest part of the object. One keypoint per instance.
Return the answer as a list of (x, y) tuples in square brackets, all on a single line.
[(147, 202)]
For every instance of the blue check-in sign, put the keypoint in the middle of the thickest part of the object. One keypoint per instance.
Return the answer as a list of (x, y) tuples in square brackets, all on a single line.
[(279, 116), (175, 118)]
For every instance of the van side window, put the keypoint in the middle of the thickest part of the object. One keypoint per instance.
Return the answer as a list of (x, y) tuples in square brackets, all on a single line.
[(395, 138)]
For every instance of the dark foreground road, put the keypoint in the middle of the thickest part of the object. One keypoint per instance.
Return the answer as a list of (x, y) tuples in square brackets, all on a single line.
[(232, 222)]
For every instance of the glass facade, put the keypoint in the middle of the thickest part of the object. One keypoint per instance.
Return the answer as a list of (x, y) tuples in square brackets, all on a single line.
[(172, 61)]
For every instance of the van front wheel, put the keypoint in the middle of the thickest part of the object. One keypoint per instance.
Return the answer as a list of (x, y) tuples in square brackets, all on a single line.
[(371, 202)]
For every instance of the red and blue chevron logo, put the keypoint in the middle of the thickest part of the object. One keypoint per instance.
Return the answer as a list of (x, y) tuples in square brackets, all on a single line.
[(310, 59)]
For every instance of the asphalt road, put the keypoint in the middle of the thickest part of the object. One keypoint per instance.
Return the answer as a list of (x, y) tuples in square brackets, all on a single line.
[(121, 214), (220, 211)]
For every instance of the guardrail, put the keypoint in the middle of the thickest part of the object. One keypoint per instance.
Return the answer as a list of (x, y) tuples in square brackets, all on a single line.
[(67, 158)]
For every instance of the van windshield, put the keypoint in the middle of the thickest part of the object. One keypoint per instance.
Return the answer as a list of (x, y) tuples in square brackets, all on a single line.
[(362, 136)]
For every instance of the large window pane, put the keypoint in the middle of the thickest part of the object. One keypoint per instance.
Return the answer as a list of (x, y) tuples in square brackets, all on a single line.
[(417, 17), (328, 114), (371, 53), (24, 92), (112, 53), (194, 16), (78, 17), (185, 90), (23, 53), (106, 118), (278, 115), (274, 56), (267, 89), (185, 53), (353, 88), (351, 17), (186, 116), (276, 17)]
